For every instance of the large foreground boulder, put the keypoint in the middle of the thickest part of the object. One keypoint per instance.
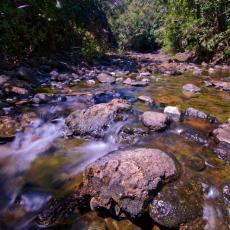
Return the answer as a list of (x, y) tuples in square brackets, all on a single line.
[(124, 182), (95, 120)]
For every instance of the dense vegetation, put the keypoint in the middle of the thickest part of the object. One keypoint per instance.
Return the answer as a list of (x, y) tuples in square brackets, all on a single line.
[(177, 25), (29, 27)]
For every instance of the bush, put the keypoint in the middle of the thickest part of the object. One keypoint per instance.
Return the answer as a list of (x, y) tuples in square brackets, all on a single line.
[(38, 27)]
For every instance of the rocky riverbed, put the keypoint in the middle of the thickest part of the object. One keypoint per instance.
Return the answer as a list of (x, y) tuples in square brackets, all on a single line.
[(139, 141)]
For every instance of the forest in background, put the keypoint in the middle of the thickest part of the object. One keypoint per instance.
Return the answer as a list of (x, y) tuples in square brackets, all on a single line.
[(92, 27)]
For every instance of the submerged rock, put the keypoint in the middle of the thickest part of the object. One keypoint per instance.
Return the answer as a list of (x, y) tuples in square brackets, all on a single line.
[(124, 181), (195, 162), (95, 120), (177, 204), (195, 113), (154, 120), (130, 135), (195, 135), (191, 88)]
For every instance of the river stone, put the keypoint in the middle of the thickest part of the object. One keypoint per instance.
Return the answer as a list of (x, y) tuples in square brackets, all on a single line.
[(177, 204), (40, 98), (194, 113), (222, 136), (154, 120), (124, 181), (8, 128), (105, 78), (146, 99), (222, 133), (191, 88), (221, 85), (96, 119), (173, 113)]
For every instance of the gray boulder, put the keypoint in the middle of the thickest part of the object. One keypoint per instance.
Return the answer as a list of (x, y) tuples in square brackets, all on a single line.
[(95, 120), (173, 113), (124, 181), (105, 78), (154, 120)]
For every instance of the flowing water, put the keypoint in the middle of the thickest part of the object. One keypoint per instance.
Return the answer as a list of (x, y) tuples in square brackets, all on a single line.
[(42, 162)]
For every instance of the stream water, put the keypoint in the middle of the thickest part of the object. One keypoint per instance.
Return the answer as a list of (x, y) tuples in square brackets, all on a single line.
[(42, 162)]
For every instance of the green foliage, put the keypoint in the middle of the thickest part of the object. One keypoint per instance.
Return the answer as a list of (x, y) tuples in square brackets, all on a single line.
[(197, 25), (31, 27), (136, 23)]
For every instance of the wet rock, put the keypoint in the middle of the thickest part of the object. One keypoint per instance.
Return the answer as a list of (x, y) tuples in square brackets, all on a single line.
[(154, 120), (128, 81), (105, 78), (140, 83), (177, 204), (191, 88), (146, 99), (195, 113), (28, 119), (105, 96), (221, 85), (95, 120), (130, 135), (40, 98), (59, 210), (226, 192), (223, 151), (222, 133), (173, 113), (8, 128), (90, 82), (123, 182)]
